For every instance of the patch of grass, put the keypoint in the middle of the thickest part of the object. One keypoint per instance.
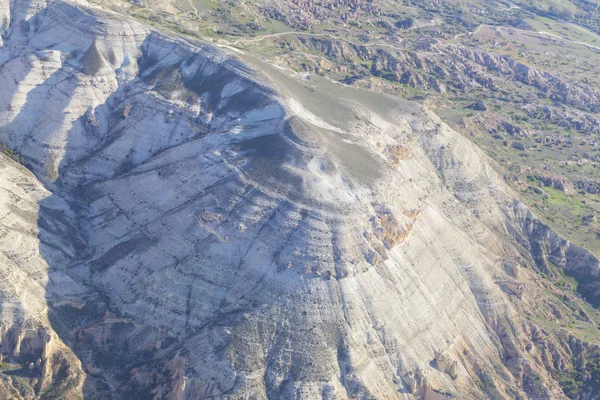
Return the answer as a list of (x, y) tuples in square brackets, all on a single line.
[(7, 366)]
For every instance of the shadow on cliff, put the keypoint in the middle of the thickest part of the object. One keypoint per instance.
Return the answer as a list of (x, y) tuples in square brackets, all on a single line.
[(55, 373), (79, 309), (119, 357)]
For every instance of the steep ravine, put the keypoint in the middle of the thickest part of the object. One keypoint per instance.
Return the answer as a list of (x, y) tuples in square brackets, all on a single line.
[(211, 227)]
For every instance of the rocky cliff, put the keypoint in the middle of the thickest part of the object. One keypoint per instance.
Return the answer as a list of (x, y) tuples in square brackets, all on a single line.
[(205, 225)]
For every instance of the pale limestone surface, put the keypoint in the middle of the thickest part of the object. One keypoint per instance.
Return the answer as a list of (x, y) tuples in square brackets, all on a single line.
[(246, 233)]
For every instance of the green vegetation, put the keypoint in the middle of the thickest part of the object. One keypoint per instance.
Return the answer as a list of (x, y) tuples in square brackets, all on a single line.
[(6, 150), (585, 379), (8, 366)]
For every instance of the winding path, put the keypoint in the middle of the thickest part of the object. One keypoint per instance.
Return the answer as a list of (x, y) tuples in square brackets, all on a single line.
[(242, 41), (271, 35)]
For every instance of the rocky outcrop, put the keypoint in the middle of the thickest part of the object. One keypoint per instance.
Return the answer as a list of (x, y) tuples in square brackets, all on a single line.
[(559, 183), (570, 119), (302, 14), (217, 227), (545, 246), (446, 364), (590, 186), (553, 86)]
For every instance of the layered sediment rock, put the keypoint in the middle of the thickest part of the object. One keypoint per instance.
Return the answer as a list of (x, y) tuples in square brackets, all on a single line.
[(217, 227)]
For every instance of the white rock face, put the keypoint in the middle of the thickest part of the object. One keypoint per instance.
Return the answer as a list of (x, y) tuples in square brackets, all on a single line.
[(33, 239), (214, 226)]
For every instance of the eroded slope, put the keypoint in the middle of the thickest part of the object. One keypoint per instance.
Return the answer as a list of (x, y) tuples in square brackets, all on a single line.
[(232, 230)]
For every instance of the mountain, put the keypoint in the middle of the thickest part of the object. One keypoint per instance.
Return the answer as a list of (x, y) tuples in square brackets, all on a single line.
[(185, 219)]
